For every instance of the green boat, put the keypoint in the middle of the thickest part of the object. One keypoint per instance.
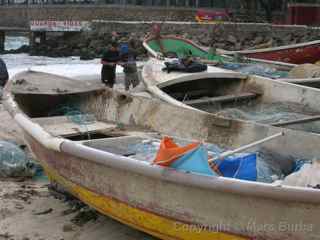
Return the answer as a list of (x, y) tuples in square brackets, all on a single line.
[(177, 47)]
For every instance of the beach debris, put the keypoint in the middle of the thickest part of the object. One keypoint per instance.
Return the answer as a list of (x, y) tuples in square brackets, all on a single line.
[(19, 206), (21, 194), (83, 213), (67, 228), (58, 90), (5, 235), (44, 212), (84, 216), (20, 82), (13, 161), (33, 89)]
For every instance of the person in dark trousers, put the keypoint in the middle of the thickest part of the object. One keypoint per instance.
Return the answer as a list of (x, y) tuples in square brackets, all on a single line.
[(4, 76), (109, 62)]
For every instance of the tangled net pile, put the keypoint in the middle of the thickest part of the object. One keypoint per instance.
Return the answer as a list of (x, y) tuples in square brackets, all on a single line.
[(270, 113)]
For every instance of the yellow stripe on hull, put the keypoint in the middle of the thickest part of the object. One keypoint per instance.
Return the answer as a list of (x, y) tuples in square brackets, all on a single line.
[(145, 221)]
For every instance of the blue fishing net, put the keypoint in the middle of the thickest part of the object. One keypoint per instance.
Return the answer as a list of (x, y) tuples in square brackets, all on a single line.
[(14, 162), (75, 115), (255, 69)]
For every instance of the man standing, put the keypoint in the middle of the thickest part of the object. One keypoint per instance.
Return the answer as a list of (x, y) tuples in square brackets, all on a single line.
[(4, 76), (109, 62), (129, 58)]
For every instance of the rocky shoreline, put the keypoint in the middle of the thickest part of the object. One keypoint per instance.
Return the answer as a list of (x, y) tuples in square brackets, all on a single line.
[(90, 44)]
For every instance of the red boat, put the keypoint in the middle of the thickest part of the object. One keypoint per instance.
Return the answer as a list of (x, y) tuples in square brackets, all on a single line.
[(308, 52)]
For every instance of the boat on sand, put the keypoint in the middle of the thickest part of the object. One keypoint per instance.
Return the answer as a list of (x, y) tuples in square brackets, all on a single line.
[(171, 46), (308, 52), (86, 138), (238, 96)]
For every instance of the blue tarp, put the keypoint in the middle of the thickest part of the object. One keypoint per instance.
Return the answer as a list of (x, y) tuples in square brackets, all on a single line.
[(241, 166), (194, 161)]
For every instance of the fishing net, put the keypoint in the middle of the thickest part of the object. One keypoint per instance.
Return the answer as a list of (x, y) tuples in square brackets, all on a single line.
[(75, 115), (14, 162), (271, 113), (268, 167), (255, 69)]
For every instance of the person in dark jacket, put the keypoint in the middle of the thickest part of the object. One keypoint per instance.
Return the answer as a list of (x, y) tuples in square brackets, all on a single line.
[(109, 62), (4, 76)]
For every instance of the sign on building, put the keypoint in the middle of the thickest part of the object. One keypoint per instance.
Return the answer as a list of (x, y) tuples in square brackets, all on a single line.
[(59, 26)]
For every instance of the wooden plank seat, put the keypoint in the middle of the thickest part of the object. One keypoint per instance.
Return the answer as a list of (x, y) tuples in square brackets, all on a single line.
[(223, 99), (64, 126)]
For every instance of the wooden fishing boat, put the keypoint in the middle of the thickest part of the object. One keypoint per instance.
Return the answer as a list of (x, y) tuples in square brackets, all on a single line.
[(173, 46), (102, 170), (308, 52), (234, 95)]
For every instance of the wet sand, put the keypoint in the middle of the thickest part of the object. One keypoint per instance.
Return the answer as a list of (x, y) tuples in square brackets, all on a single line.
[(29, 211)]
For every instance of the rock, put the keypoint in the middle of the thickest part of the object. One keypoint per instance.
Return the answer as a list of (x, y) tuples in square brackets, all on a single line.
[(76, 52), (232, 39), (84, 216), (258, 40), (95, 44), (220, 45), (19, 206), (287, 38), (305, 71), (85, 54), (67, 228), (238, 46), (44, 212)]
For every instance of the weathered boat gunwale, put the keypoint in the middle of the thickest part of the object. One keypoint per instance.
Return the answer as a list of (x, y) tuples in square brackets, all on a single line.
[(202, 75), (271, 49), (284, 193)]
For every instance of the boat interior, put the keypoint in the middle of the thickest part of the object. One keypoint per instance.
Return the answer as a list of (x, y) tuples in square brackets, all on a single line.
[(65, 116), (133, 126), (81, 118), (241, 98)]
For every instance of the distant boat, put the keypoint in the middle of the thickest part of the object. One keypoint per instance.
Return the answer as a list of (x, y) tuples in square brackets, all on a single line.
[(94, 142), (170, 46), (236, 95), (308, 52)]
